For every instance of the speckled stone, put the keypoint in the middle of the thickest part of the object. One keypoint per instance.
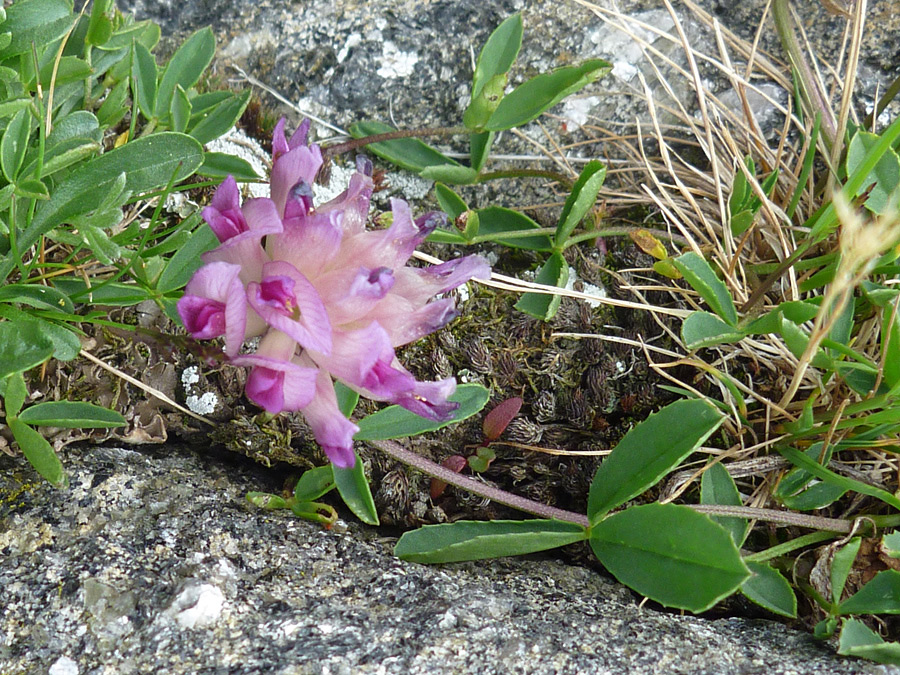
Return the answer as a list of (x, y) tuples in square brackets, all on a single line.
[(153, 562)]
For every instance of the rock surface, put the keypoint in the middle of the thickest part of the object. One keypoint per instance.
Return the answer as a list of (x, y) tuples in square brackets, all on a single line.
[(154, 562)]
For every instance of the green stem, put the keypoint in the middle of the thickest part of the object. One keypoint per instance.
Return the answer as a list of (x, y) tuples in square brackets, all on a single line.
[(348, 146), (13, 244), (562, 179), (809, 86), (788, 546)]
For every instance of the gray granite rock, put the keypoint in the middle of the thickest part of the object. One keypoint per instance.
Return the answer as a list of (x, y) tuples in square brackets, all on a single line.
[(153, 562)]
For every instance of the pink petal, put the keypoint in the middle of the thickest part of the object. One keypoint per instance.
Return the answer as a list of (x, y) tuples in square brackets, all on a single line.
[(353, 203), (245, 249), (350, 294), (275, 382), (419, 285), (332, 430), (224, 212), (405, 322), (310, 244), (310, 325), (214, 303), (300, 163)]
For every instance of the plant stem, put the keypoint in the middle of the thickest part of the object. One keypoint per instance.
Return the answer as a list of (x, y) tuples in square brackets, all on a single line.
[(410, 458), (341, 148), (773, 516), (560, 178)]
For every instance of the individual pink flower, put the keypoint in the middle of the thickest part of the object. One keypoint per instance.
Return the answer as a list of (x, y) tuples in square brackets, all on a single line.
[(331, 298)]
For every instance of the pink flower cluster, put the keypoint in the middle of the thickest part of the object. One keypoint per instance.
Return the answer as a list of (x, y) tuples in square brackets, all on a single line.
[(330, 298)]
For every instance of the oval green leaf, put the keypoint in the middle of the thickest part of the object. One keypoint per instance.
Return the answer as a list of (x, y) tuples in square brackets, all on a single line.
[(72, 415), (185, 68), (580, 199), (541, 93), (397, 422), (671, 554), (314, 483), (649, 451), (354, 490), (543, 306), (217, 121), (702, 329), (38, 21), (496, 221), (407, 153), (770, 590), (499, 52), (700, 275), (717, 487), (479, 540), (880, 596), (41, 297), (857, 639), (39, 453), (22, 347)]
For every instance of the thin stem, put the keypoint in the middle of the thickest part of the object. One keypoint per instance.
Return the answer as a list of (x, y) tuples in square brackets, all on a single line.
[(773, 516), (526, 173), (341, 148), (410, 458)]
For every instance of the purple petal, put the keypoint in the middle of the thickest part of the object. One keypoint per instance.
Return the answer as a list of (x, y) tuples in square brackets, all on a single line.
[(245, 249), (418, 285), (354, 353), (309, 244), (224, 212), (299, 201), (350, 295), (306, 320), (405, 323), (275, 382), (353, 203), (280, 146), (332, 430), (299, 164), (214, 303)]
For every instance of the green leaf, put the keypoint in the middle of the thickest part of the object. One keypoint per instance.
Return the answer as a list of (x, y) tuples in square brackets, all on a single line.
[(179, 110), (39, 453), (543, 306), (346, 397), (450, 202), (220, 119), (841, 566), (100, 26), (146, 163), (480, 148), (891, 542), (15, 395), (455, 175), (890, 345), (144, 79), (700, 275), (114, 108), (70, 69), (22, 347), (859, 640), (407, 153), (495, 221), (477, 540), (104, 249), (314, 483), (702, 329), (62, 155), (31, 188), (649, 451), (717, 487), (355, 492), (38, 21), (397, 422), (770, 590), (66, 344), (221, 165), (185, 68), (114, 294), (580, 200), (883, 179), (485, 102), (144, 32), (41, 297), (799, 459), (880, 596), (14, 144), (187, 260), (671, 554), (541, 93), (71, 415), (498, 53)]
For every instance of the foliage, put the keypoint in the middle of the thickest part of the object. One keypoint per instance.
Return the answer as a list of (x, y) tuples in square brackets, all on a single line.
[(91, 124)]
